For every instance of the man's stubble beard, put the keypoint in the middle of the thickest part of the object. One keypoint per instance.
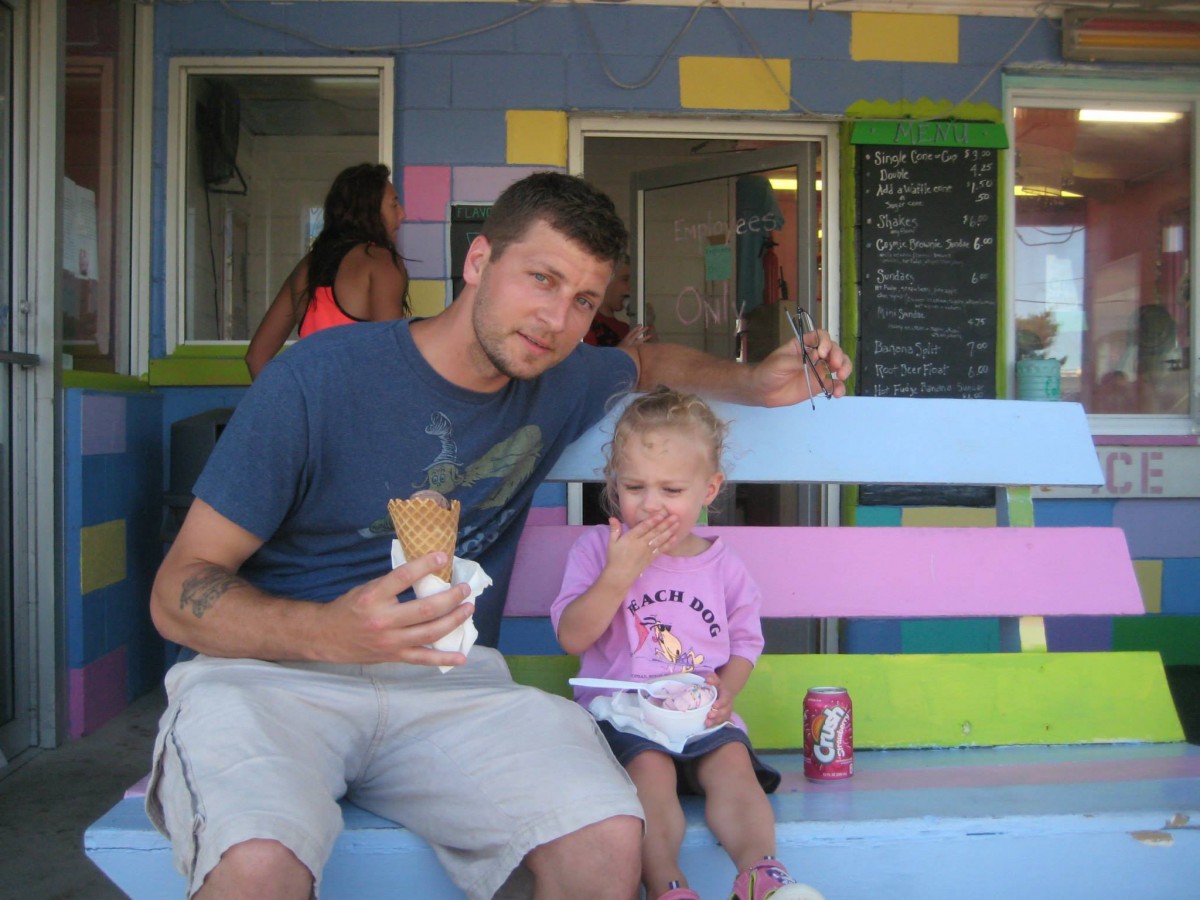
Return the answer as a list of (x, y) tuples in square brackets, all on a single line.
[(491, 343)]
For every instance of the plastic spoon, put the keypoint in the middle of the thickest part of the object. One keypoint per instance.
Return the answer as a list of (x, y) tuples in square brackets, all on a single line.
[(607, 683), (653, 688)]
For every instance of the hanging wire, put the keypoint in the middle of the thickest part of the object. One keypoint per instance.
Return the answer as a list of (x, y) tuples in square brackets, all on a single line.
[(1041, 14), (662, 60), (534, 6)]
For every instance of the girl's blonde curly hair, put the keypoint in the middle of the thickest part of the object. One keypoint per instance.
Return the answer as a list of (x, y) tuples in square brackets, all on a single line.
[(662, 407)]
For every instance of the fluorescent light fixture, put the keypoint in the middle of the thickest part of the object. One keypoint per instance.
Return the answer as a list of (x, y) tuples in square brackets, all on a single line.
[(1137, 116), (789, 184), (1033, 190)]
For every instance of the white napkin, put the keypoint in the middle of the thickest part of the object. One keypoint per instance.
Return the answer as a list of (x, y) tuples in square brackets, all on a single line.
[(462, 638), (622, 711)]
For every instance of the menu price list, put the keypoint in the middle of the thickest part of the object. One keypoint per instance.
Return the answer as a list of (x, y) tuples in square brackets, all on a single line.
[(927, 264)]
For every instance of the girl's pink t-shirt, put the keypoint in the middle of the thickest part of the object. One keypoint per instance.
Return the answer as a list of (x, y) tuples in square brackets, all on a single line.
[(683, 614)]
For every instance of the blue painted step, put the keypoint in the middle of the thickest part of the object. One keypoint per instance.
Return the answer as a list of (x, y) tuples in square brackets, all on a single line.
[(1105, 821)]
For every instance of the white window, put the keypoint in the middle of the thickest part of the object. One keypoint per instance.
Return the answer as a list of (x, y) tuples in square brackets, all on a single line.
[(254, 146), (1102, 247)]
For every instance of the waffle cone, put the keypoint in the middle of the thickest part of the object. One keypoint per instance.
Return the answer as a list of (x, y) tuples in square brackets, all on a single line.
[(423, 526)]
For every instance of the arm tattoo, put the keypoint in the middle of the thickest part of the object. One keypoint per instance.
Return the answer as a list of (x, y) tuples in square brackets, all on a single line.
[(202, 591)]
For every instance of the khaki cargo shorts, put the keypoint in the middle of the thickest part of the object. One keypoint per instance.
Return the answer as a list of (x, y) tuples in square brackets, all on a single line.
[(483, 769)]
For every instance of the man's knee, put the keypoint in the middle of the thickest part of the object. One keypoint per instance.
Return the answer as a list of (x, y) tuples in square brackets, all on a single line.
[(619, 834), (599, 860), (258, 868)]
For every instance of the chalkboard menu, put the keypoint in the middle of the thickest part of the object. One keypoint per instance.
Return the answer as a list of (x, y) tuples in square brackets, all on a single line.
[(927, 258), (466, 222)]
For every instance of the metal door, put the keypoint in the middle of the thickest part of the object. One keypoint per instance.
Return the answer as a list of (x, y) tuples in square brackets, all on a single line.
[(15, 730)]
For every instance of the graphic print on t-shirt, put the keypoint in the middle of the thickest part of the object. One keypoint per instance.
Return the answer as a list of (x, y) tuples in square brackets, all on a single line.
[(512, 459), (665, 646), (669, 628)]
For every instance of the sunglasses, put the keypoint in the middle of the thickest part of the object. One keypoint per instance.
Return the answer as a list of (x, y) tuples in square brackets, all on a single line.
[(802, 324)]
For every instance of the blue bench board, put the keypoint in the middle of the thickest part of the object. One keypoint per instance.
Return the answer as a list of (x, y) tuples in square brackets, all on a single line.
[(1101, 821), (889, 440)]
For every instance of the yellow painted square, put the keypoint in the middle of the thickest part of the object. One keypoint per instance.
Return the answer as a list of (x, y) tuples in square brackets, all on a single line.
[(948, 516), (1149, 578), (720, 82), (427, 297), (537, 137), (901, 37), (101, 555)]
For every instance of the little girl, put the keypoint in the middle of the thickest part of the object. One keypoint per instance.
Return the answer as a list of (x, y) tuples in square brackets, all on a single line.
[(645, 597)]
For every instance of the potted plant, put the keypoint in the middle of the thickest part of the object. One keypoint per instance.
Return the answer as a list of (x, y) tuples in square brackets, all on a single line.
[(1038, 377)]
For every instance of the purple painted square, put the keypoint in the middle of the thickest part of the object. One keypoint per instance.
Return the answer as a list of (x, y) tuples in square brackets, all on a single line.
[(1078, 634), (483, 184), (1160, 529), (97, 692), (103, 426), (424, 249)]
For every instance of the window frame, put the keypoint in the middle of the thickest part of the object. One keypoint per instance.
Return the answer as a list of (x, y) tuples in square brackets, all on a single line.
[(180, 71), (1064, 92)]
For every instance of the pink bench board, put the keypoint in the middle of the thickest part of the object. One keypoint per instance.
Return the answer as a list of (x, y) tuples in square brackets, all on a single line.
[(891, 572)]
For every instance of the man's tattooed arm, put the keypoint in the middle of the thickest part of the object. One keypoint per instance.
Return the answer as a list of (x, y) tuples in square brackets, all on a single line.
[(201, 591)]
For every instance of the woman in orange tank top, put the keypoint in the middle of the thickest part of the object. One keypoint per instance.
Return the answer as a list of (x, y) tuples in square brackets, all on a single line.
[(353, 272)]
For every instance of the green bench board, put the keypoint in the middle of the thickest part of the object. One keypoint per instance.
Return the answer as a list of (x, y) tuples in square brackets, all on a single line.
[(946, 700)]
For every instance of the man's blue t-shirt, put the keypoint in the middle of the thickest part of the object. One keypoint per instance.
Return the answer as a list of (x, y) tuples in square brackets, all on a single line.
[(354, 416)]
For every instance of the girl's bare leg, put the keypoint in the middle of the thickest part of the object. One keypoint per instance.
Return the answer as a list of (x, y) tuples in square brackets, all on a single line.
[(737, 810), (654, 775)]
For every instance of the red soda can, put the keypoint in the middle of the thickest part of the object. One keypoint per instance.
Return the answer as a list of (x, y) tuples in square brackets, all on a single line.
[(828, 734)]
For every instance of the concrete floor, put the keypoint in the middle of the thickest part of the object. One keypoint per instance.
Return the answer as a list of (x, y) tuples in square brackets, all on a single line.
[(48, 801)]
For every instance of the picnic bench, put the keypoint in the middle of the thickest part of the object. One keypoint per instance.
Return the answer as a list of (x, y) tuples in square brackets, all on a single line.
[(976, 773)]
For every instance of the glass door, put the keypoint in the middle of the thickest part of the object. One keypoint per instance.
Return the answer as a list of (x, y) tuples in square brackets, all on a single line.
[(724, 247)]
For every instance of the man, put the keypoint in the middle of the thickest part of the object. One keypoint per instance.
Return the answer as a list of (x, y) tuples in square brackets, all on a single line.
[(295, 703), (609, 331)]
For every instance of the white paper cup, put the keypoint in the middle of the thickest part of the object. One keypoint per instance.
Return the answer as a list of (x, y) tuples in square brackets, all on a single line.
[(676, 724)]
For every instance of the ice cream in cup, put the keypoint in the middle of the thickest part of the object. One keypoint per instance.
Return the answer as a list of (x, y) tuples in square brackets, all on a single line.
[(677, 705)]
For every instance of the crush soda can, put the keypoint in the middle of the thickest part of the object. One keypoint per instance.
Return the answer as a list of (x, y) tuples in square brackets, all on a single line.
[(828, 734)]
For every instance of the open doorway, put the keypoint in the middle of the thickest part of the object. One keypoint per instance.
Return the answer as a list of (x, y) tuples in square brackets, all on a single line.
[(728, 233)]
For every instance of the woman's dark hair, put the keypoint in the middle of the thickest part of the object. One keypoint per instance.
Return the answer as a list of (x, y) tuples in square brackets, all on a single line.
[(351, 218), (568, 204)]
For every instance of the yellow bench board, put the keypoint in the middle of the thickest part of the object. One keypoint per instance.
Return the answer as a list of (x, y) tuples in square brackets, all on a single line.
[(946, 700)]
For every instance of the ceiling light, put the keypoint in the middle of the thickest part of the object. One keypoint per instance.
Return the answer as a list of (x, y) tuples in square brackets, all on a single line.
[(1138, 116), (1033, 190), (789, 184)]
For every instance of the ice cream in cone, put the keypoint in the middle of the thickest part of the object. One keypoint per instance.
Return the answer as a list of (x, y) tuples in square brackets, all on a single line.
[(424, 523)]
